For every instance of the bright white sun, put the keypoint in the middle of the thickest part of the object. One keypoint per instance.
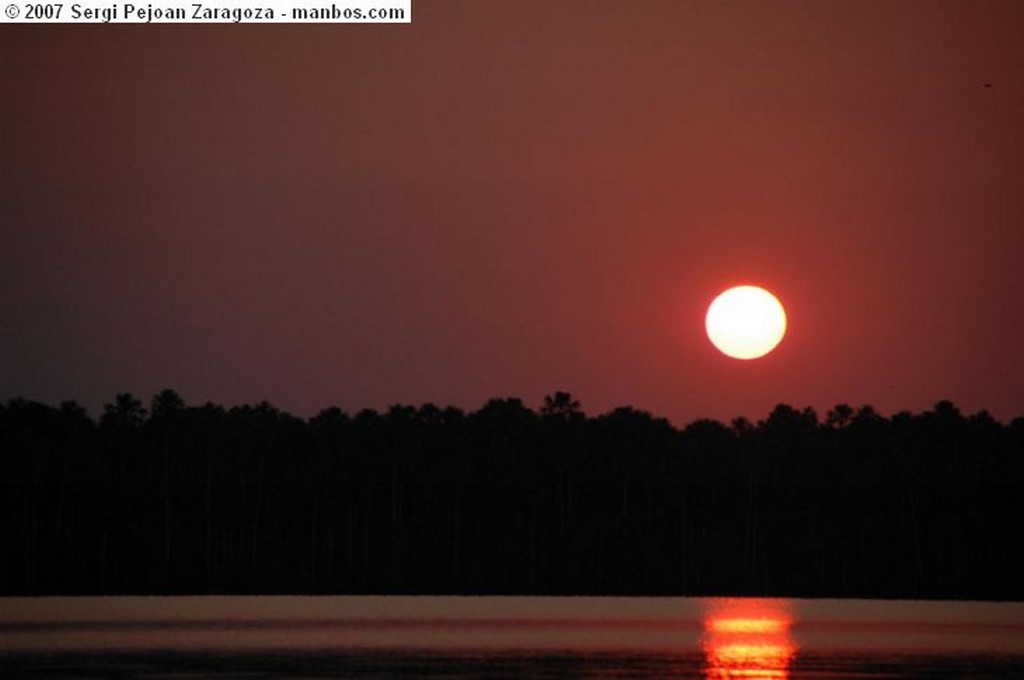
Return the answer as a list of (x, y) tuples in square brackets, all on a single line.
[(746, 322)]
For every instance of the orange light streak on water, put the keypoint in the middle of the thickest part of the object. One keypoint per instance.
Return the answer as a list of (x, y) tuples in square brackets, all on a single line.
[(748, 638), (755, 626)]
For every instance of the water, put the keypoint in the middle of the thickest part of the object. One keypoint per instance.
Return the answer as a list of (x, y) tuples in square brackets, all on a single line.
[(513, 637)]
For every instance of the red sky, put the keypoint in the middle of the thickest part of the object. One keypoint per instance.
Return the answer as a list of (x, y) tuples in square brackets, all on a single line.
[(509, 198)]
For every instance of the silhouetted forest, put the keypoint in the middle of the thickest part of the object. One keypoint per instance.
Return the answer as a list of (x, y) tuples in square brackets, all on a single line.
[(172, 498)]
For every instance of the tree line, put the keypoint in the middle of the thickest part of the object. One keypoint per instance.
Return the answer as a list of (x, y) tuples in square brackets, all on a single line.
[(174, 498)]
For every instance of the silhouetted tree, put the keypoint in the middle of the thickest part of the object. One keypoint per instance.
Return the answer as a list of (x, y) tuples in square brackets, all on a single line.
[(126, 412), (840, 416), (561, 406)]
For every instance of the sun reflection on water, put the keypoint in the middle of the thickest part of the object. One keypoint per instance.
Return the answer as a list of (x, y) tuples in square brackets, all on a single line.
[(748, 638)]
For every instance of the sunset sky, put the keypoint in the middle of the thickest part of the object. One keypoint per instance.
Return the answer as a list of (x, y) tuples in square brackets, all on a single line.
[(513, 198)]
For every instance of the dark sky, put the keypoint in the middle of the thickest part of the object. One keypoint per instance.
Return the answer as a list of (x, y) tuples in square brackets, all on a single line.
[(509, 198)]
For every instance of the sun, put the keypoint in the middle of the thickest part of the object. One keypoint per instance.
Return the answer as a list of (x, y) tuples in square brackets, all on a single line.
[(745, 322)]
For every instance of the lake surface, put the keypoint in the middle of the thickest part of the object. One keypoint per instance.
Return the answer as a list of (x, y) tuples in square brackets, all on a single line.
[(499, 637)]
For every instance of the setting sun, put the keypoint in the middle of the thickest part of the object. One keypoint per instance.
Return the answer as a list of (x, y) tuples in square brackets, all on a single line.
[(746, 322)]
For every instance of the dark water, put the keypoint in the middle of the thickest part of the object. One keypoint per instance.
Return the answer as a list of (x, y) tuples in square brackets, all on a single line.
[(507, 637)]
